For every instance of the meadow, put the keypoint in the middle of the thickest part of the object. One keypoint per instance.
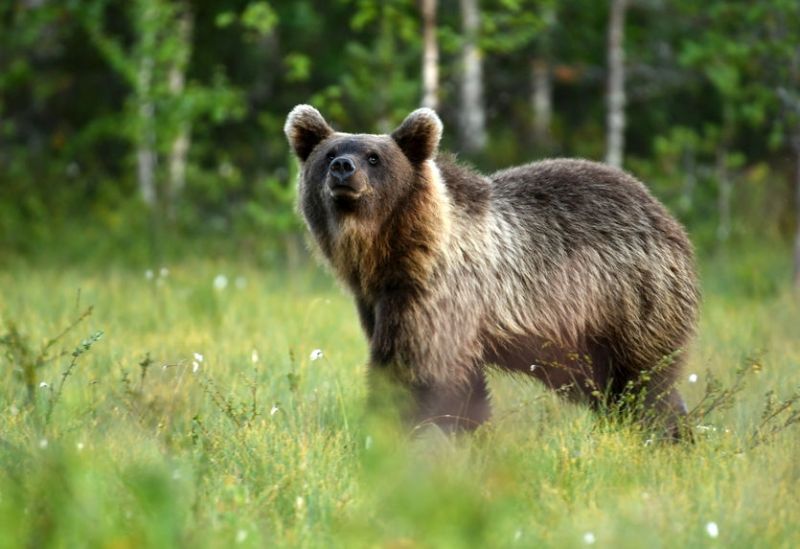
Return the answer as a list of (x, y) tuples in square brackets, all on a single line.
[(220, 403)]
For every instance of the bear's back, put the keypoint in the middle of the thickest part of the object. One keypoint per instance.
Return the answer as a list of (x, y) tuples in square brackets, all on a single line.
[(587, 202)]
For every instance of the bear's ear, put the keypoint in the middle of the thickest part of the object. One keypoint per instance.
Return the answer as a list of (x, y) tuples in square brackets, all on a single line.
[(419, 134), (305, 129)]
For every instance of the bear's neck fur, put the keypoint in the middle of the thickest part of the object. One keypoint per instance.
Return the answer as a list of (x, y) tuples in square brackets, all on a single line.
[(402, 252)]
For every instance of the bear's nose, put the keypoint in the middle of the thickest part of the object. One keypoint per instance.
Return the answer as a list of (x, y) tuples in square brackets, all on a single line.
[(342, 168)]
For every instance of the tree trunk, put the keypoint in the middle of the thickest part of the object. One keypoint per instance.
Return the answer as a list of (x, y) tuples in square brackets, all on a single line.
[(473, 116), (430, 56), (542, 81), (385, 53), (541, 101), (180, 145), (792, 101), (723, 196), (689, 168), (146, 146), (615, 131), (797, 211)]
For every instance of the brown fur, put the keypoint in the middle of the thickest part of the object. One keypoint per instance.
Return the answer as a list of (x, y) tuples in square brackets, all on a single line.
[(568, 265)]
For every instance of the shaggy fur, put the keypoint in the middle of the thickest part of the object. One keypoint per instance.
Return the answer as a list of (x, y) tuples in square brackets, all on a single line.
[(566, 270)]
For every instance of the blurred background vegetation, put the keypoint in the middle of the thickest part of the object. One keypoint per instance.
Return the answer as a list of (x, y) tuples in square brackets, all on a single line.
[(134, 131), (186, 408)]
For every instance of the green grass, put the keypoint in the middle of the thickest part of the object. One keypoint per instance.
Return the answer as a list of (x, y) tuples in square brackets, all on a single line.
[(139, 452)]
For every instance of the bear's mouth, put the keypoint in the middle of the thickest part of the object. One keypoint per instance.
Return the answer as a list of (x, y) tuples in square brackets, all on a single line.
[(344, 194)]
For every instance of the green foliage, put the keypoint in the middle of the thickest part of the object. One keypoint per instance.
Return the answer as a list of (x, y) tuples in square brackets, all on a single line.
[(711, 89), (511, 25), (258, 18)]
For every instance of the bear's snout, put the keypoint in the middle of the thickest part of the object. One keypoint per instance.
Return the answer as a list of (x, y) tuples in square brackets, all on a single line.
[(342, 168), (343, 182)]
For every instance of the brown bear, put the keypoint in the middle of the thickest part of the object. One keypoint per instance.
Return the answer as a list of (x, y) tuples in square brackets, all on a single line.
[(567, 270)]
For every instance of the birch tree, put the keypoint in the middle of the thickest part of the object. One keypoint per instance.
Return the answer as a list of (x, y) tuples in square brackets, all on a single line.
[(430, 56), (473, 114), (723, 54), (147, 24), (779, 79), (784, 30), (141, 66), (796, 147), (162, 105), (527, 27), (542, 81), (615, 95), (179, 149)]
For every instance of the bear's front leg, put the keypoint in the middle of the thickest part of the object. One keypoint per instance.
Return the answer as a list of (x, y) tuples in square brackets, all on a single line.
[(425, 363), (453, 407)]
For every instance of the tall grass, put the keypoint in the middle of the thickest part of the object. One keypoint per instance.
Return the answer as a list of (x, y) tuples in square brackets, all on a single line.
[(201, 419)]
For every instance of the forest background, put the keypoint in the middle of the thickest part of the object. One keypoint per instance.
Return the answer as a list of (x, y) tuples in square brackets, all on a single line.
[(136, 131)]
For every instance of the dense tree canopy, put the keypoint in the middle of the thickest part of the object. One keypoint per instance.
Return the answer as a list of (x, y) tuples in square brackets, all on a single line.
[(167, 116)]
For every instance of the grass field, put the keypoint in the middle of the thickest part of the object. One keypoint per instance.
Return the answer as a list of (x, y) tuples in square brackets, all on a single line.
[(198, 418)]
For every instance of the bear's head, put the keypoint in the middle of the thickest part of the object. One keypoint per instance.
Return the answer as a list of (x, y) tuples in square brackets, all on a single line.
[(370, 200), (359, 174)]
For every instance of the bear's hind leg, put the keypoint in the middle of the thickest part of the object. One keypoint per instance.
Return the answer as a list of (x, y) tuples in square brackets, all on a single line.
[(665, 409), (650, 394)]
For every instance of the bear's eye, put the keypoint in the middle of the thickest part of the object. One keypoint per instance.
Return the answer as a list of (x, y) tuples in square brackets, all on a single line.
[(331, 155), (373, 159)]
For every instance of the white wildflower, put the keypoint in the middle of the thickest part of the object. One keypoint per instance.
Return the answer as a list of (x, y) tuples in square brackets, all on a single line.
[(692, 378), (533, 367), (316, 354), (299, 502), (254, 357), (588, 538), (198, 357), (712, 530), (273, 410), (220, 282), (43, 385), (43, 443), (241, 535), (195, 366), (80, 446), (149, 274)]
